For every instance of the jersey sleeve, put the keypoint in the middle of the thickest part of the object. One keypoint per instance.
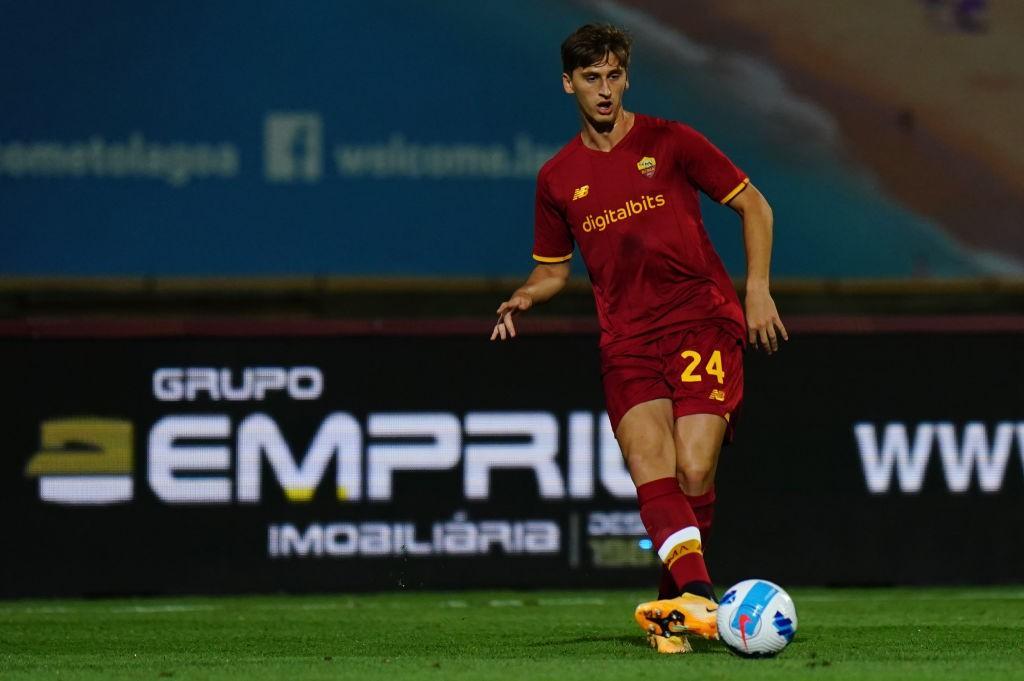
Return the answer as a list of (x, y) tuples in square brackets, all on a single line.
[(552, 238), (707, 167)]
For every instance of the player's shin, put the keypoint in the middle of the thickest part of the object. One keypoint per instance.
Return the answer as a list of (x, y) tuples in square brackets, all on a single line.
[(703, 507), (672, 527)]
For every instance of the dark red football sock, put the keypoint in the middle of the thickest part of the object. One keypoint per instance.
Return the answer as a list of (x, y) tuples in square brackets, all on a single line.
[(672, 526), (703, 506), (667, 585)]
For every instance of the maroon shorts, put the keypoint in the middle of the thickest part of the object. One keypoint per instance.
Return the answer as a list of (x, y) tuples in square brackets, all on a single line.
[(698, 367)]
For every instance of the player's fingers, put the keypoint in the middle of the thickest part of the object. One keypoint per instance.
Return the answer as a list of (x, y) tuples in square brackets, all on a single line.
[(502, 308), (762, 335), (510, 325), (752, 337), (773, 341), (501, 331), (782, 328), (494, 332)]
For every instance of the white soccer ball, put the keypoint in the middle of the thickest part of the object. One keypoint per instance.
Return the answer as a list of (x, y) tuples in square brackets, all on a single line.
[(756, 618)]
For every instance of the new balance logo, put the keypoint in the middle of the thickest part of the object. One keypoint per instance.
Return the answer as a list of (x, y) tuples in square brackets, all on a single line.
[(717, 394), (581, 192)]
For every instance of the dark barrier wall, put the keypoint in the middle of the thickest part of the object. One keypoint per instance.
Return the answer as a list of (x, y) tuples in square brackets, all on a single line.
[(320, 463)]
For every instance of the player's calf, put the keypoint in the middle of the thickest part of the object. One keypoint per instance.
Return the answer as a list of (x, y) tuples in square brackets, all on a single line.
[(672, 527)]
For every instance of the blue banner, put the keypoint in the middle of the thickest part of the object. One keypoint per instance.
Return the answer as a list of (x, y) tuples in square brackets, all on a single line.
[(385, 138)]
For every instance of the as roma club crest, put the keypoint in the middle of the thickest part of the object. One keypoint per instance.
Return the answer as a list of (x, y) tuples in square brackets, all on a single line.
[(647, 165)]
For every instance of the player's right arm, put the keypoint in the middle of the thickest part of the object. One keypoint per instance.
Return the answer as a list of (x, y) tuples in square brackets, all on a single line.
[(552, 249), (544, 283)]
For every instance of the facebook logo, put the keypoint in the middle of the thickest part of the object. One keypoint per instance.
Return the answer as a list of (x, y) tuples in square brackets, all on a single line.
[(293, 147)]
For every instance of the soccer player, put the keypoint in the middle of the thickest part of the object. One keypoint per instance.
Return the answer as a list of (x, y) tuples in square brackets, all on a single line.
[(625, 190)]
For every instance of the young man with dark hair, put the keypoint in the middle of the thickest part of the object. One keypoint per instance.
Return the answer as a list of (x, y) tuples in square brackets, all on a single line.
[(672, 329)]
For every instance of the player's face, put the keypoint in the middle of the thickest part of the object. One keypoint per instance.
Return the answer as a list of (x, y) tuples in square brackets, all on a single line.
[(598, 89)]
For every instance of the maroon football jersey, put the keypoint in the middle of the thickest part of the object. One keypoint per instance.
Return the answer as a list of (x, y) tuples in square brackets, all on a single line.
[(635, 213)]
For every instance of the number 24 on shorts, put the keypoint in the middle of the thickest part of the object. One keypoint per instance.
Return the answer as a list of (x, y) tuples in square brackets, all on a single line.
[(712, 368)]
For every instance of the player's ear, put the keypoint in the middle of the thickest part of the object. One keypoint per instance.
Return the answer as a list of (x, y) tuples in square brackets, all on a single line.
[(567, 84)]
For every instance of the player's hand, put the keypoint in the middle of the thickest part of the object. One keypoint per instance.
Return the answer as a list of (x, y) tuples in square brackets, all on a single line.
[(764, 328), (505, 328)]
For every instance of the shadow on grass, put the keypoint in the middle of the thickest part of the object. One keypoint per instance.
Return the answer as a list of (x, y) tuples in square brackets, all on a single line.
[(700, 645), (637, 641)]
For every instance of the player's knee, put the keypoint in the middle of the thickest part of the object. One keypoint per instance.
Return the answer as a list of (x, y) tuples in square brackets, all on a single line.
[(648, 455), (695, 478)]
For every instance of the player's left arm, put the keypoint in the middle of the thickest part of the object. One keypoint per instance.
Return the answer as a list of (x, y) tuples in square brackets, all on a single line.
[(764, 327)]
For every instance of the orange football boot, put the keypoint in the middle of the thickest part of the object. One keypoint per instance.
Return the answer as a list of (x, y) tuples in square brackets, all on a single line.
[(687, 614), (670, 644)]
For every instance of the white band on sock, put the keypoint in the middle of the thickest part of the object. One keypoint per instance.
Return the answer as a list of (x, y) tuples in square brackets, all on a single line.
[(677, 538)]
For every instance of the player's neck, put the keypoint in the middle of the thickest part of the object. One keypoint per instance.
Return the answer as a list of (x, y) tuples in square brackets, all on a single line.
[(605, 137)]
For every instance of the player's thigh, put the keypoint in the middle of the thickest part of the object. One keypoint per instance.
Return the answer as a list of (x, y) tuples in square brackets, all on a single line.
[(632, 373), (698, 443), (645, 435), (704, 365)]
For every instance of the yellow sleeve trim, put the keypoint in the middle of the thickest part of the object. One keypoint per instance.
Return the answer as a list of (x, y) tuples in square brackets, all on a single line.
[(541, 258), (731, 195)]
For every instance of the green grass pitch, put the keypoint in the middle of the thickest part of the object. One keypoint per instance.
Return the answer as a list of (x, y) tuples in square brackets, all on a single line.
[(903, 634)]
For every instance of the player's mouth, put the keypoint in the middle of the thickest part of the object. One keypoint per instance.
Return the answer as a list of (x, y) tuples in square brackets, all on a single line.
[(604, 108)]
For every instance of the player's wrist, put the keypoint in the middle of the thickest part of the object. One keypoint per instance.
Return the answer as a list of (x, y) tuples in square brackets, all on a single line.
[(527, 295), (757, 285)]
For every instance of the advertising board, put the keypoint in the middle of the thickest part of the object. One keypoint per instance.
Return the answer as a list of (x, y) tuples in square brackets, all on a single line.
[(227, 463)]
